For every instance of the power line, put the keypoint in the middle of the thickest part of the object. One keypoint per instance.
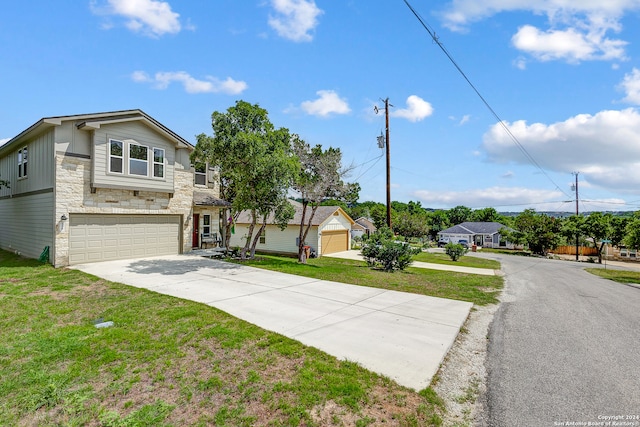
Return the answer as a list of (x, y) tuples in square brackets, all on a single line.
[(515, 140)]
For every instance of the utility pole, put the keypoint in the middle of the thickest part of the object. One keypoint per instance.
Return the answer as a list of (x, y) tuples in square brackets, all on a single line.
[(386, 142), (577, 213)]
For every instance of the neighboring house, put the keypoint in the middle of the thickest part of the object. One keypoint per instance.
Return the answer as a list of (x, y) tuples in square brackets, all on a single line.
[(365, 225), (329, 232), (482, 234), (357, 230), (102, 186)]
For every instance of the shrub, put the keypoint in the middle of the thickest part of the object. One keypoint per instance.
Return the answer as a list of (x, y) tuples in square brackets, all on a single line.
[(380, 250), (455, 250)]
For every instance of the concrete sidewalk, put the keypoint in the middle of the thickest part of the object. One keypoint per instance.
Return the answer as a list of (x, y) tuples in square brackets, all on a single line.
[(400, 335), (355, 255)]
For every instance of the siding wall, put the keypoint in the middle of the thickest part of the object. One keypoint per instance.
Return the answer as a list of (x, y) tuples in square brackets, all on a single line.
[(143, 135), (276, 240), (27, 224), (71, 140), (26, 207), (40, 164)]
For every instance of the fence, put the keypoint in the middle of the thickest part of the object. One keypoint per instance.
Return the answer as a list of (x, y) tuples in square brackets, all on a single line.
[(571, 250)]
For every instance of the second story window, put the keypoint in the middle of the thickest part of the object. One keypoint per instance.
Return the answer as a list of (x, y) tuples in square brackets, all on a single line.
[(158, 162), (116, 156), (22, 163), (138, 160), (201, 174)]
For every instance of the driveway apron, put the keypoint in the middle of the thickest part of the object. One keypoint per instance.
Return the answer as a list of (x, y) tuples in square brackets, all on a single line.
[(400, 335)]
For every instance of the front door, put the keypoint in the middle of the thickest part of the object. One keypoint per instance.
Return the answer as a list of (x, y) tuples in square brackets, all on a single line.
[(195, 239)]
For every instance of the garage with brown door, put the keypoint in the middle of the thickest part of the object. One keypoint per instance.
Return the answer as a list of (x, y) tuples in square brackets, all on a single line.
[(109, 237), (334, 241)]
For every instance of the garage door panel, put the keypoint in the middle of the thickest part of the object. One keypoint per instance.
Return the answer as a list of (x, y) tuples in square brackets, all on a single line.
[(108, 237), (334, 241)]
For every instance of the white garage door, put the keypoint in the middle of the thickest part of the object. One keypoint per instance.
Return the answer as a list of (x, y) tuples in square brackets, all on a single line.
[(108, 237)]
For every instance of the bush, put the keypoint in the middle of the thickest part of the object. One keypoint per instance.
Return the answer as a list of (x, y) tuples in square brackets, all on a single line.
[(380, 250), (455, 250)]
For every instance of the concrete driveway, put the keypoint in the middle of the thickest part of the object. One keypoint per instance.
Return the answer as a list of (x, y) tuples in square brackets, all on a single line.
[(400, 335)]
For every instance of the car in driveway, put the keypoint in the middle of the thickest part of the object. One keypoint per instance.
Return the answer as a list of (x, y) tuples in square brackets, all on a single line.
[(443, 242)]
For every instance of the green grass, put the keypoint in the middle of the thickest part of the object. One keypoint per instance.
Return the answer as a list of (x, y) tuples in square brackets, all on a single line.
[(475, 288), (170, 362), (465, 261), (621, 276)]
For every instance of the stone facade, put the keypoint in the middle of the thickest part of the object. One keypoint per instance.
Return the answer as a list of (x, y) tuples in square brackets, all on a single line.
[(73, 195)]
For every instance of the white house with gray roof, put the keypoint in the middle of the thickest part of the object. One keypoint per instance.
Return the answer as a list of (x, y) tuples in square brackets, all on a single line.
[(482, 234)]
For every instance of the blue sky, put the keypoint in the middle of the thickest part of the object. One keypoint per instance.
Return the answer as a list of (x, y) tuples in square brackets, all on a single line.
[(563, 75)]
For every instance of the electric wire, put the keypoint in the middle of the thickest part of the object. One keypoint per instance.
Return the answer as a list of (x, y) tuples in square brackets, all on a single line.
[(513, 138)]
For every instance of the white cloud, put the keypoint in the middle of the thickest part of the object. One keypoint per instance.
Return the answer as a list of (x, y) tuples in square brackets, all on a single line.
[(605, 147), (631, 86), (328, 103), (295, 19), (162, 80), (417, 109), (577, 31), (150, 17), (571, 45), (4, 140), (493, 196)]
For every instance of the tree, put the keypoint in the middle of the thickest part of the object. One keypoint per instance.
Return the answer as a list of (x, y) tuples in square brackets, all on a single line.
[(409, 224), (319, 177), (618, 229), (539, 232), (632, 235), (487, 215), (438, 221), (455, 250), (254, 163), (381, 251), (459, 214), (597, 226)]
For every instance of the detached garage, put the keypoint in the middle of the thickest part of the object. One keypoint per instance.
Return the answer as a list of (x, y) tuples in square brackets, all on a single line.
[(105, 237), (330, 231)]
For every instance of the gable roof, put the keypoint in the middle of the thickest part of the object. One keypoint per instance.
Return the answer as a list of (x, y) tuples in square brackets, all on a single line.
[(201, 198), (94, 121), (366, 223), (474, 228), (322, 213)]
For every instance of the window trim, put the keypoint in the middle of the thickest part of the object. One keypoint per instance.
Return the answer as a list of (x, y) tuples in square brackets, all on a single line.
[(154, 163), (23, 161), (263, 236), (113, 156), (197, 174), (133, 159), (206, 223)]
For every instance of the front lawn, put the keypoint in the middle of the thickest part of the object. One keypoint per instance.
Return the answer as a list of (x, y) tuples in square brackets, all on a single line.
[(477, 289), (171, 362), (465, 261), (622, 276)]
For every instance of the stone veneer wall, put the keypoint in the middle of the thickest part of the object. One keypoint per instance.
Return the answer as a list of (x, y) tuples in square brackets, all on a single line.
[(73, 195)]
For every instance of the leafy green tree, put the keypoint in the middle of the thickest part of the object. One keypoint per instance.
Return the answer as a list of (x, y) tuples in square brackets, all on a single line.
[(381, 251), (438, 221), (379, 215), (597, 226), (459, 214), (255, 165), (319, 177), (618, 229), (538, 231), (487, 215), (632, 236), (362, 209), (409, 224)]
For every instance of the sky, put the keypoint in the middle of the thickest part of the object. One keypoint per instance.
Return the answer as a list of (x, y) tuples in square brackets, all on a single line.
[(502, 107)]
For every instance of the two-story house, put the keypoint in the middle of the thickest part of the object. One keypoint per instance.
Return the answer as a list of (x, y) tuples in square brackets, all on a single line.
[(103, 186)]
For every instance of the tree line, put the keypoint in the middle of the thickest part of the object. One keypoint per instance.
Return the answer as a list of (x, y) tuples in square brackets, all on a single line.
[(260, 166)]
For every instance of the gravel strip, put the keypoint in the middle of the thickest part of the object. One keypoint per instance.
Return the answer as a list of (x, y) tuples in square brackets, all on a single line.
[(461, 380)]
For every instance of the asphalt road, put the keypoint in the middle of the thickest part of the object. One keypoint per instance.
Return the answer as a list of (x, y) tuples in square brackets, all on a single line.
[(564, 348)]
